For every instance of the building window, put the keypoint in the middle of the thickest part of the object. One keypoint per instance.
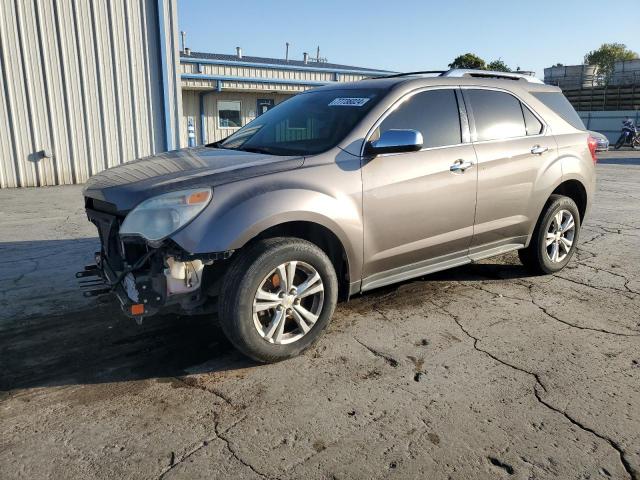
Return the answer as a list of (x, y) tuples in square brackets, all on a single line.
[(229, 114)]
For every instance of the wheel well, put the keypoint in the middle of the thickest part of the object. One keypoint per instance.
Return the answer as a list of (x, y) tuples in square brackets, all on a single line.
[(323, 238), (576, 192)]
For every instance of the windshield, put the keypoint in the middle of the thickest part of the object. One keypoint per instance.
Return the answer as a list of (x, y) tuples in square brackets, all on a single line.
[(307, 124)]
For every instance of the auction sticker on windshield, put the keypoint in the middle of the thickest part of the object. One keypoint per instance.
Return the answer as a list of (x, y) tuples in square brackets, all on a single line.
[(348, 102)]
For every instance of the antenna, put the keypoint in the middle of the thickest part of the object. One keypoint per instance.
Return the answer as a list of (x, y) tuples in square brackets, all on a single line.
[(286, 52), (183, 34)]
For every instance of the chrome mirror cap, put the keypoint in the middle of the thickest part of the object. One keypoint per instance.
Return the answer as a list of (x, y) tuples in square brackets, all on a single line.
[(395, 141)]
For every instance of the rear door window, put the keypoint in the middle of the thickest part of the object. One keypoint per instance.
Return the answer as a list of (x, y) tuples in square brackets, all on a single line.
[(497, 115), (434, 113)]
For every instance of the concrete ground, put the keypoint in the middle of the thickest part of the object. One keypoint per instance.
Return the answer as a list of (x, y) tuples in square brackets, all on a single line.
[(480, 372)]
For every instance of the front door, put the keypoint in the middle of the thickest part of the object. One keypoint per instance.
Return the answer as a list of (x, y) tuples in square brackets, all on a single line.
[(418, 212)]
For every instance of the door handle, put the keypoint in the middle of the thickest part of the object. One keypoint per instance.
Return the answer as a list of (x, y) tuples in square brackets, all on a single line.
[(538, 150), (459, 166)]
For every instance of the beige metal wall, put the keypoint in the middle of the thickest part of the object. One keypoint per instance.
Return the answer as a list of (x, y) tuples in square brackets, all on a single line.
[(266, 72), (191, 108), (206, 84), (82, 87)]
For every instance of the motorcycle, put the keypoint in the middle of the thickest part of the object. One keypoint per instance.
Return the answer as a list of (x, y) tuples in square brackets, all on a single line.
[(630, 135)]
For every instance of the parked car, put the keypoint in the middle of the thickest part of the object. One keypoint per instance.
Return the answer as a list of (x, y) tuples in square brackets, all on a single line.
[(341, 190), (602, 142)]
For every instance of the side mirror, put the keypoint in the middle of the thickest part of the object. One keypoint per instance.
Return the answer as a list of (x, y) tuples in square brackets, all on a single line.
[(395, 141)]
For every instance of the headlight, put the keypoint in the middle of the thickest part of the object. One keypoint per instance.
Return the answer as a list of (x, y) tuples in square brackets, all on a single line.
[(160, 216)]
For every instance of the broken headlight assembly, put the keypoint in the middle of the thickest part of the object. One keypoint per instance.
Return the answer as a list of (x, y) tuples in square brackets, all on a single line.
[(160, 216)]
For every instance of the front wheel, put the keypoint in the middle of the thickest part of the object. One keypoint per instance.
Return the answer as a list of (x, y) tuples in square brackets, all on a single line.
[(277, 297), (636, 143), (554, 238)]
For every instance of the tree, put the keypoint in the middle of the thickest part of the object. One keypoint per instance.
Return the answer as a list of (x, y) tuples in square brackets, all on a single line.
[(468, 60), (607, 55), (498, 66)]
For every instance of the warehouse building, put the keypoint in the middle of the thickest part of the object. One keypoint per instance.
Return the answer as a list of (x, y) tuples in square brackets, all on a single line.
[(85, 86), (221, 93)]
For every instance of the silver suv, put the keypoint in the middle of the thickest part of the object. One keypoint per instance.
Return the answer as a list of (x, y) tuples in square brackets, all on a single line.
[(340, 190)]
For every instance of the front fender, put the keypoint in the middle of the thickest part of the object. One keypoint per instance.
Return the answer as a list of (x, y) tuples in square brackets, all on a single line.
[(239, 213)]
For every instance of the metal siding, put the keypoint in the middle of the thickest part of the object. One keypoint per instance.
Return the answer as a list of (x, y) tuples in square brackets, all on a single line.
[(191, 108), (82, 80), (151, 74), (15, 96), (267, 72), (9, 166), (170, 62)]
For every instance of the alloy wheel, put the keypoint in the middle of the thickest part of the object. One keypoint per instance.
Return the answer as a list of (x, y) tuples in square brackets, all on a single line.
[(288, 302), (560, 235)]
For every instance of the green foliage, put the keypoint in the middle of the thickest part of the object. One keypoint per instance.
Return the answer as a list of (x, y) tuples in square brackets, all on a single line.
[(468, 60), (498, 66), (471, 60), (606, 56)]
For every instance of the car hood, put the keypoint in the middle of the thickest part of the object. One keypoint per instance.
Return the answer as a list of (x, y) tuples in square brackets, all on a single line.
[(125, 186)]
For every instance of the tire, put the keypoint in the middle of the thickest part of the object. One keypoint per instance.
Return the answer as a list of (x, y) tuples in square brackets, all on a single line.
[(537, 257), (256, 267), (636, 143)]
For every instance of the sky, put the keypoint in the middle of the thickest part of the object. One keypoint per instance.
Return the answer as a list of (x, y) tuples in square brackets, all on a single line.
[(412, 35)]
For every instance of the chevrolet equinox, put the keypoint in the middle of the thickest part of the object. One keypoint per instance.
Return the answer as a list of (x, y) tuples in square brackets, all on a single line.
[(340, 190)]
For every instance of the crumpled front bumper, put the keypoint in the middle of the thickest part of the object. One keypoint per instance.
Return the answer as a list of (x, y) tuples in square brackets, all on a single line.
[(145, 279), (139, 295)]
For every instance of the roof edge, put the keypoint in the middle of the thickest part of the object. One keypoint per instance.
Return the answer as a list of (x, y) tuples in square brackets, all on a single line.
[(268, 63)]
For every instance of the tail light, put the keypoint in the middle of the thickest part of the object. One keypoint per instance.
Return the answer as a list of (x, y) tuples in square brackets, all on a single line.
[(593, 144)]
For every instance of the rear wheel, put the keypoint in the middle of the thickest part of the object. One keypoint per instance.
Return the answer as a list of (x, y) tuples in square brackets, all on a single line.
[(636, 143), (555, 237), (277, 298)]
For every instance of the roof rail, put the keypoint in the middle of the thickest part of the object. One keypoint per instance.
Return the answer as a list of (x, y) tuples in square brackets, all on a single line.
[(407, 74), (463, 72)]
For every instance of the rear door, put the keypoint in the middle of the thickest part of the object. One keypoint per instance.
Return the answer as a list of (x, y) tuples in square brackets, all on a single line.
[(513, 149), (418, 212)]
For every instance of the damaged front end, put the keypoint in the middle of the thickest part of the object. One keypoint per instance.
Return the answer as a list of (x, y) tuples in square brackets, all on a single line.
[(138, 263)]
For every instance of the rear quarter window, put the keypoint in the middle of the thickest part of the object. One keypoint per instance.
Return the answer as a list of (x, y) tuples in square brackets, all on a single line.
[(557, 102), (534, 126)]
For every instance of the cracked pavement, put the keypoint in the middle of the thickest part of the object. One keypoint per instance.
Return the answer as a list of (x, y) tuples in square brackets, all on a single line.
[(478, 372)]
